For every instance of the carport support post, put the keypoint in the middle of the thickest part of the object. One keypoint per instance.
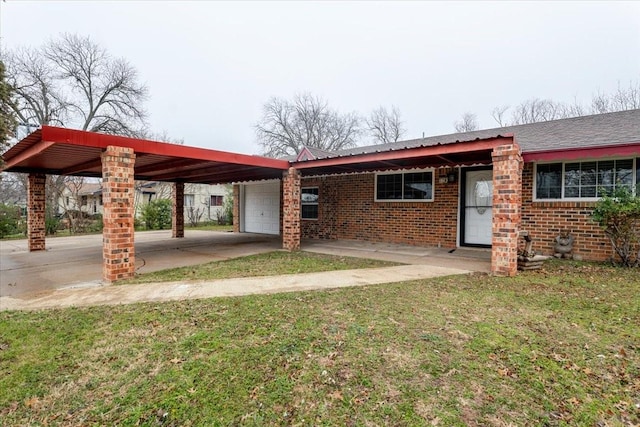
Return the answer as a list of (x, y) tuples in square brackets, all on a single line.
[(36, 229), (291, 210), (118, 250), (507, 204), (177, 208)]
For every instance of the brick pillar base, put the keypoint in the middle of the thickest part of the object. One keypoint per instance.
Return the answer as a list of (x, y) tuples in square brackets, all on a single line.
[(118, 250), (507, 204), (36, 229), (177, 210), (291, 210), (236, 208)]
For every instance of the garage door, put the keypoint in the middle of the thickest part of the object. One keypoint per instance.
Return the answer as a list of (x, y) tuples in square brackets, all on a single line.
[(262, 208)]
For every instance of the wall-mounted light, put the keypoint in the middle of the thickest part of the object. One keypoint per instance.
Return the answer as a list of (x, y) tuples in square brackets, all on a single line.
[(451, 177)]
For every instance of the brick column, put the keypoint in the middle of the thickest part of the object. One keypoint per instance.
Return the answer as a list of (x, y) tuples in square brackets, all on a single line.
[(236, 208), (291, 210), (36, 229), (118, 251), (177, 210), (507, 204)]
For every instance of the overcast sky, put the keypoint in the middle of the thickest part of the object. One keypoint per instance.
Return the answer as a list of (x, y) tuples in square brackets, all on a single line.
[(211, 66)]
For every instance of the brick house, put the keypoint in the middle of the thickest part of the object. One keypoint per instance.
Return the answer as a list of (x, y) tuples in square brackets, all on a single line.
[(472, 189), (447, 199)]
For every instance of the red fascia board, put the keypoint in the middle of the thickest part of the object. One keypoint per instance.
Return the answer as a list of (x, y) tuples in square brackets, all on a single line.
[(36, 149), (630, 149), (92, 139), (409, 153)]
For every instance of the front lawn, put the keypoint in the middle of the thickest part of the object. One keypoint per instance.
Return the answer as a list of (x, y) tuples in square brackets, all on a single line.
[(266, 264), (553, 347)]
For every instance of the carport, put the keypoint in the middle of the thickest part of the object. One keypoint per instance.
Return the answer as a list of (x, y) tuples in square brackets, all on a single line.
[(119, 161)]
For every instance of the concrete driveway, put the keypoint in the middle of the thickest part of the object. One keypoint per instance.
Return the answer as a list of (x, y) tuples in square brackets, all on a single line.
[(69, 272), (77, 260)]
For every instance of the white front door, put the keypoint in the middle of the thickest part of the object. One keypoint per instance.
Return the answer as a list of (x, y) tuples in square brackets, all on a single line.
[(262, 208), (478, 212)]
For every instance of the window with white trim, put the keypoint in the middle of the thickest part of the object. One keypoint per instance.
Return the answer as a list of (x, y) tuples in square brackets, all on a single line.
[(405, 186), (189, 200), (309, 197), (584, 179)]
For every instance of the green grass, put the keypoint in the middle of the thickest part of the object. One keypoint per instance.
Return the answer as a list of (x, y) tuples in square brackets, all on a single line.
[(267, 264), (210, 226), (557, 347)]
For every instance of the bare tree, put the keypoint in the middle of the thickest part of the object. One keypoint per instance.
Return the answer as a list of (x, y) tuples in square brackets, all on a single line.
[(498, 115), (467, 123), (288, 126), (539, 110), (74, 82), (7, 116), (37, 97), (620, 100), (385, 126)]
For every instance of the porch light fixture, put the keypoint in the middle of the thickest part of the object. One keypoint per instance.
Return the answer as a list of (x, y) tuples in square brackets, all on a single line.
[(451, 177)]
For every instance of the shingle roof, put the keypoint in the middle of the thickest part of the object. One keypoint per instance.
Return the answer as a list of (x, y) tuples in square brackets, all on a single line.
[(580, 132)]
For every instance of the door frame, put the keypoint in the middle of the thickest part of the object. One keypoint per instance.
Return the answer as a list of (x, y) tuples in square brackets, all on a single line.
[(462, 206)]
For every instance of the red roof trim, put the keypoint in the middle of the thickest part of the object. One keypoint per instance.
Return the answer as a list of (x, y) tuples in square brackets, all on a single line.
[(630, 149), (409, 153), (99, 140)]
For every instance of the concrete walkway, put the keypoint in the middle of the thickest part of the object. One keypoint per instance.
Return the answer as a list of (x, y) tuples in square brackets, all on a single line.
[(170, 291), (67, 274)]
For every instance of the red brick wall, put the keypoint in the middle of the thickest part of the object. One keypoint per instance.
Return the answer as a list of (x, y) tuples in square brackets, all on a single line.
[(36, 229), (546, 220), (291, 210), (177, 210), (347, 210), (118, 232), (507, 199)]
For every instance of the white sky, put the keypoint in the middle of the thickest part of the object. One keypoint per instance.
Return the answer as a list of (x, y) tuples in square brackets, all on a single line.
[(210, 66)]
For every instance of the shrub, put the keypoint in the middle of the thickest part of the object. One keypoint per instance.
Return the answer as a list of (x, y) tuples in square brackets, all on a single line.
[(9, 220), (51, 225), (156, 215), (619, 216)]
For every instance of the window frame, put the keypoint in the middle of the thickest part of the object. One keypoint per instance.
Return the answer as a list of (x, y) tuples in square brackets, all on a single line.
[(635, 168), (192, 198), (216, 197), (404, 172), (316, 203)]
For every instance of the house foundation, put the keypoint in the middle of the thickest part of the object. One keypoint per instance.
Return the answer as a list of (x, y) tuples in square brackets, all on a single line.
[(118, 219)]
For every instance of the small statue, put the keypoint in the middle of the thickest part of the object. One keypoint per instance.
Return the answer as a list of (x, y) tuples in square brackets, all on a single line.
[(563, 246)]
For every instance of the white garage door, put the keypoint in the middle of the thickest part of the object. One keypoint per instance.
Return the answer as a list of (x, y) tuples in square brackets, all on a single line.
[(262, 208)]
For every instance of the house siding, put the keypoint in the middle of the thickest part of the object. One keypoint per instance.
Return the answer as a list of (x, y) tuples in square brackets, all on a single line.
[(347, 210)]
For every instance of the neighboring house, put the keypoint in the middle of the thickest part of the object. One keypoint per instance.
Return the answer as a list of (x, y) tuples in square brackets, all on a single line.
[(567, 164), (201, 201), (79, 195)]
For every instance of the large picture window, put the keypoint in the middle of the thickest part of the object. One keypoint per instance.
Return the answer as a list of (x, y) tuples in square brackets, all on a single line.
[(407, 186), (584, 180), (309, 202)]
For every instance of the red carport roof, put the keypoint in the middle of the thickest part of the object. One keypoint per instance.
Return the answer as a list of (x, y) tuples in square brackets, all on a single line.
[(60, 151), (454, 153)]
